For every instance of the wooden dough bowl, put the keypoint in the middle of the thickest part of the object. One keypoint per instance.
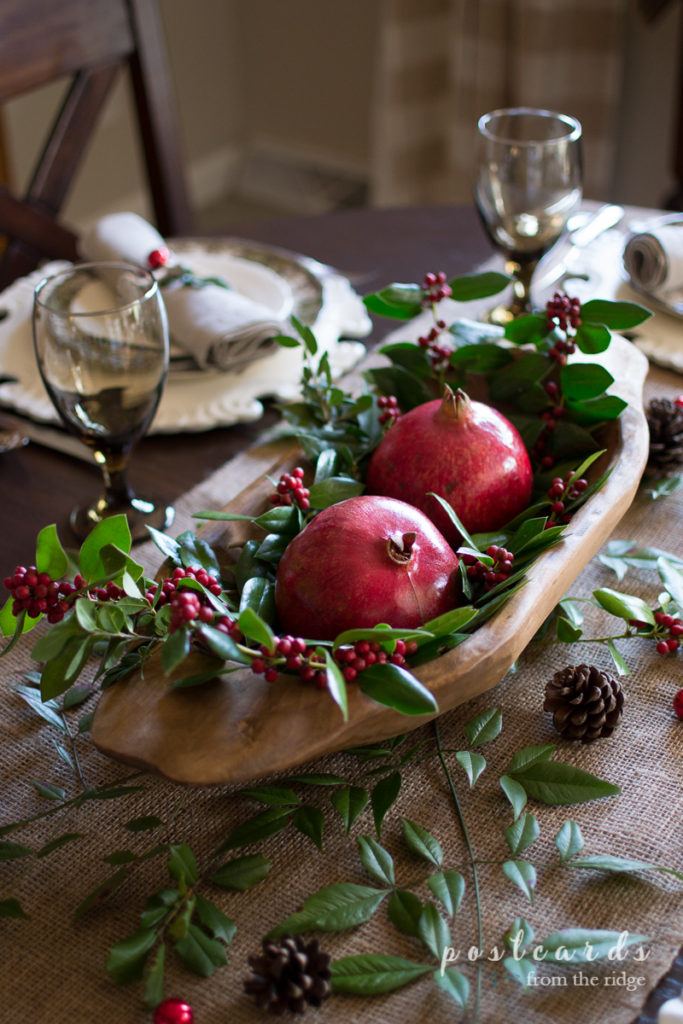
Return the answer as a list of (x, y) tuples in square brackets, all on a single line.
[(241, 728)]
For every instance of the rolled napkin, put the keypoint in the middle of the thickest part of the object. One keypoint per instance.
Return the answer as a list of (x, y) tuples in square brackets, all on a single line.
[(654, 259), (216, 325)]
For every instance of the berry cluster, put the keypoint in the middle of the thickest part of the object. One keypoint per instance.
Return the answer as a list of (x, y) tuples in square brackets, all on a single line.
[(563, 312), (390, 410), (490, 575), (293, 654), (562, 490), (189, 606), (439, 354), (37, 593), (158, 258), (550, 418), (678, 704), (290, 490), (435, 287), (358, 656), (668, 630)]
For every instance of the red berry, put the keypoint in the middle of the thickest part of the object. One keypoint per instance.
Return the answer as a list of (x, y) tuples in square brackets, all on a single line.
[(678, 703), (662, 647), (678, 400), (158, 257)]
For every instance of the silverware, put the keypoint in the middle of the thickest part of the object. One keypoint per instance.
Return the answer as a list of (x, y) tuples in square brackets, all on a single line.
[(605, 218)]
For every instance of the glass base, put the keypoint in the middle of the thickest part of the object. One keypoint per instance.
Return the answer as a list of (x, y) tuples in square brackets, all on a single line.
[(139, 512)]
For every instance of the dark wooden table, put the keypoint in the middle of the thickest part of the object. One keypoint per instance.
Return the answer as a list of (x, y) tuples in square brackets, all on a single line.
[(374, 247)]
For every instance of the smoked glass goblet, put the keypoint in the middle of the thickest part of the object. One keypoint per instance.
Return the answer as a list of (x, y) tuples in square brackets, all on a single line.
[(101, 341), (527, 183)]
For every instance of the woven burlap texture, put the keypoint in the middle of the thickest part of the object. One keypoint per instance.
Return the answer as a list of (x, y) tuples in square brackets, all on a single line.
[(53, 966)]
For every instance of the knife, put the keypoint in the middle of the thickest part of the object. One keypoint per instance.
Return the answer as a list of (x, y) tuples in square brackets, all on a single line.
[(604, 219)]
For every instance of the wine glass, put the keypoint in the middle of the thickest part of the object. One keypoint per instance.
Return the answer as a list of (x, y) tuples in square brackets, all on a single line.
[(101, 341), (528, 182)]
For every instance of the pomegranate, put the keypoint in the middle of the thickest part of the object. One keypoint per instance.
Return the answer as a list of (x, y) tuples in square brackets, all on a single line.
[(361, 562), (466, 452)]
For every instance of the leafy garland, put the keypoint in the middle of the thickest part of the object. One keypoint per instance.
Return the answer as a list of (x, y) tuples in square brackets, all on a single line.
[(337, 433), (558, 407)]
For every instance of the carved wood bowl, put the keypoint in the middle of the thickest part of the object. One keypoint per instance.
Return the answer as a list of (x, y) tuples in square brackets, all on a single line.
[(240, 728)]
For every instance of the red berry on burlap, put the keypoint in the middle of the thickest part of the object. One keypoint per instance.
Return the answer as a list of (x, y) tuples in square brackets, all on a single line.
[(678, 703), (173, 1011)]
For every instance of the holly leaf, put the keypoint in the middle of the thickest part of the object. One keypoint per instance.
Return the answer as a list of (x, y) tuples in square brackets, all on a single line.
[(469, 287), (242, 873), (554, 783), (618, 316), (374, 974), (624, 606), (395, 687)]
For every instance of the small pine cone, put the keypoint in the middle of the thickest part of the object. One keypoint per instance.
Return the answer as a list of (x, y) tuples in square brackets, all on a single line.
[(665, 420), (586, 702), (289, 974)]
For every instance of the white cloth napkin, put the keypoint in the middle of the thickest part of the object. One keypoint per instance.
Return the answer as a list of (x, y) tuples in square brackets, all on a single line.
[(218, 327), (654, 259)]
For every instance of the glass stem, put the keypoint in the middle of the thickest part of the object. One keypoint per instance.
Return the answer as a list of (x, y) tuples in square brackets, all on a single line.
[(521, 285), (117, 491)]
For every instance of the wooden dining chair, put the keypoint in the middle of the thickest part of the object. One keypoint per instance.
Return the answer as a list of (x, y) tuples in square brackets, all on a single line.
[(90, 43)]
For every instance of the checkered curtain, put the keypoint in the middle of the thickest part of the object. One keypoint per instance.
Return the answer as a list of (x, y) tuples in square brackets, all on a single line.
[(443, 63)]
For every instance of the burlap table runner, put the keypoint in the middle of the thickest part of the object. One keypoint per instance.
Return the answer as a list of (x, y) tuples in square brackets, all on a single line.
[(53, 966)]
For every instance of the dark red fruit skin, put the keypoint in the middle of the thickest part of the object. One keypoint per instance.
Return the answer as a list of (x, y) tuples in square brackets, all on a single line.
[(462, 450), (337, 574)]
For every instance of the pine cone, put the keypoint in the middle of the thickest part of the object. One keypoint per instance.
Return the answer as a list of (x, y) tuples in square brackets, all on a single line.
[(289, 974), (665, 420), (585, 701)]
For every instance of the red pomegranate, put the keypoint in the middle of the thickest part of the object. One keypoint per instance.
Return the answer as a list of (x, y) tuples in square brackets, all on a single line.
[(466, 452), (361, 562)]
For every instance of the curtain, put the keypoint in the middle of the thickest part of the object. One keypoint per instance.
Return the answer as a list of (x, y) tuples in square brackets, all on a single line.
[(443, 63)]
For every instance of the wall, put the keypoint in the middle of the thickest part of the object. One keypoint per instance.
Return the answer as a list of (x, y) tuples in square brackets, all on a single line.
[(274, 101)]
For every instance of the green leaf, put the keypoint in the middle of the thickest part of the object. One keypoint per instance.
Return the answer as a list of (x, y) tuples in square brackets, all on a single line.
[(310, 821), (377, 861), (398, 301), (624, 606), (253, 626), (554, 783), (484, 727), (13, 851), (57, 842), (531, 755), (581, 945), (182, 864), (143, 824), (242, 873), (175, 649), (618, 316), (522, 833), (349, 803), (283, 519), (12, 908), (261, 826), (664, 487), (47, 710), (101, 892), (334, 489), (126, 959), (453, 982), (200, 953), (395, 687), (519, 936), (580, 381), (449, 888), (592, 338), (274, 796), (336, 684), (618, 865), (50, 555), (619, 662), (569, 840), (527, 329), (405, 909), (334, 908), (433, 931), (223, 646), (383, 796), (469, 287), (374, 974), (472, 764), (515, 793), (422, 842), (566, 633), (154, 980), (257, 610), (595, 410), (214, 920), (672, 579), (522, 874), (112, 530), (404, 385), (521, 970)]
